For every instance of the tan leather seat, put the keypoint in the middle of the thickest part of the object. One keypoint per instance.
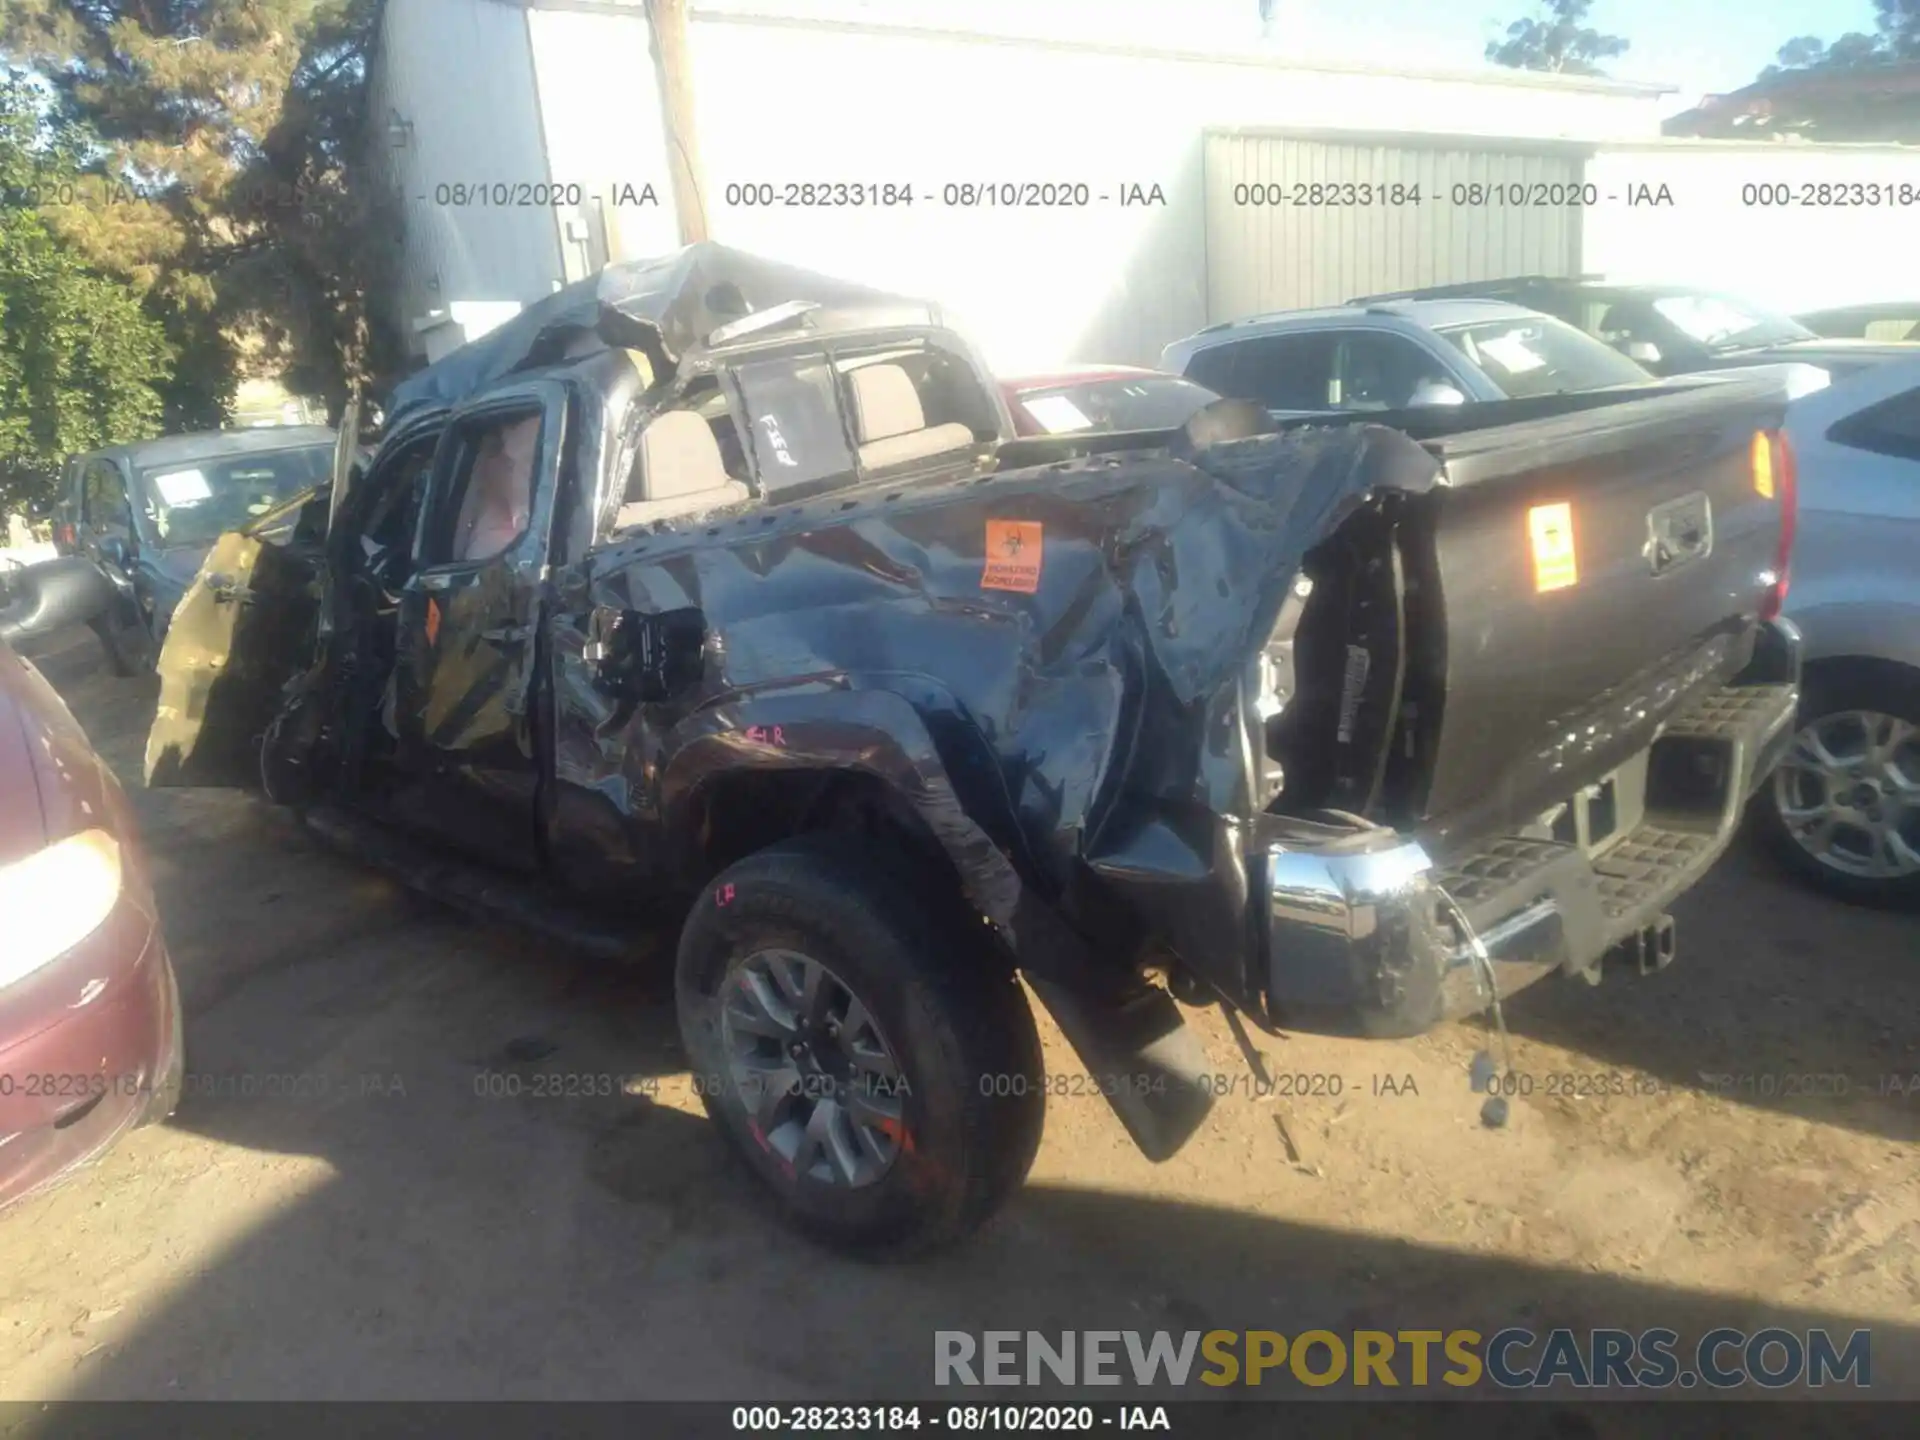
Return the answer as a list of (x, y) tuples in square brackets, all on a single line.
[(892, 427), (680, 472)]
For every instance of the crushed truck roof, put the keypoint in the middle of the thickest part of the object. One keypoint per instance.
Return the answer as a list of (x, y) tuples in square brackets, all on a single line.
[(667, 308)]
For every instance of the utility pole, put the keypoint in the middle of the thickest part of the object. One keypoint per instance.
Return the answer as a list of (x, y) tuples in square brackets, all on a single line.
[(668, 21)]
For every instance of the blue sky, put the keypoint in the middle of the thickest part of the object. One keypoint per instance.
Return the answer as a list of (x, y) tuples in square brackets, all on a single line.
[(1700, 46)]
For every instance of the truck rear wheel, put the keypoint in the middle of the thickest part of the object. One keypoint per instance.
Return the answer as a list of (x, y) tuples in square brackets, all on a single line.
[(860, 1044)]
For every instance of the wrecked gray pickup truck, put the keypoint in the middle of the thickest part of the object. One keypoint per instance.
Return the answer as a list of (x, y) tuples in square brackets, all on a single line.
[(718, 591)]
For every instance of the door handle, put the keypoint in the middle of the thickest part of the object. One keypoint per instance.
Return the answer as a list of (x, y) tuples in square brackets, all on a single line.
[(507, 634), (224, 590)]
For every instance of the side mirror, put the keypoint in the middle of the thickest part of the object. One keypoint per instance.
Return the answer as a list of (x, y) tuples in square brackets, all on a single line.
[(1434, 392), (116, 552), (40, 599), (645, 658)]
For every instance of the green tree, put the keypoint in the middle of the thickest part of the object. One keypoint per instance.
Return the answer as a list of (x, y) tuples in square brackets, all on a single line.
[(1556, 38), (1895, 37), (80, 360), (227, 179)]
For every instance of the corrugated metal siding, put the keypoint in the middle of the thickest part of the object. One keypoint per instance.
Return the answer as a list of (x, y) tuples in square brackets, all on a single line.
[(1266, 256)]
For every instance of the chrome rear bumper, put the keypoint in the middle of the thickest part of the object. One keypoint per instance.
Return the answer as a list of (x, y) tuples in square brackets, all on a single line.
[(1366, 932)]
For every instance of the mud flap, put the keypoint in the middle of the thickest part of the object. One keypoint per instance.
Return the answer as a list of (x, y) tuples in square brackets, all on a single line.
[(1138, 1049)]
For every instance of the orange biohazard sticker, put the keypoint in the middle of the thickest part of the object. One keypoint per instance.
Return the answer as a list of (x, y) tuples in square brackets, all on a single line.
[(1013, 556), (433, 620), (1551, 530)]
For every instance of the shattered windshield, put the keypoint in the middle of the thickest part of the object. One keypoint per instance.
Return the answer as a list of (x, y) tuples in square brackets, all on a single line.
[(194, 502)]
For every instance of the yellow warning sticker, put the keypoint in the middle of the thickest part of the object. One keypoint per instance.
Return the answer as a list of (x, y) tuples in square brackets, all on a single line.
[(1013, 555), (1551, 530)]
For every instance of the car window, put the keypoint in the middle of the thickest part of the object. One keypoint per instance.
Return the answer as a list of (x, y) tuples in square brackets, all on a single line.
[(104, 495), (1215, 368), (914, 406), (1634, 322), (488, 505), (796, 434), (691, 458), (1721, 322), (1373, 370), (1891, 427), (1119, 402), (1281, 372), (1542, 356), (393, 510), (707, 400), (193, 502), (1592, 316)]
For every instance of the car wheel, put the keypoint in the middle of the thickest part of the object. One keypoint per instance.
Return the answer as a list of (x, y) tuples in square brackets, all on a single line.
[(861, 1044), (1843, 808)]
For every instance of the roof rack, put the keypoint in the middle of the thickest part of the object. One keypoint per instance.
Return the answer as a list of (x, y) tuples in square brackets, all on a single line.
[(1463, 289)]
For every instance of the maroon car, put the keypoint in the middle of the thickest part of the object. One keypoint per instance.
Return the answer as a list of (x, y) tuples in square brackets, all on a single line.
[(90, 1032), (1102, 398)]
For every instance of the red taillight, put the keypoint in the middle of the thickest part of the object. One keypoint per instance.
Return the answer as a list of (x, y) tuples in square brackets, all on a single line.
[(1775, 474), (64, 534)]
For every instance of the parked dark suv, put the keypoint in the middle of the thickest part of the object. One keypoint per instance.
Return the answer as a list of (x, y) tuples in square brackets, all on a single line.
[(147, 513), (1670, 329)]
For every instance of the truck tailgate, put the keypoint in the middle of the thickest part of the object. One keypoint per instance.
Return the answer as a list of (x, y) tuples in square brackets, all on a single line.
[(1595, 571)]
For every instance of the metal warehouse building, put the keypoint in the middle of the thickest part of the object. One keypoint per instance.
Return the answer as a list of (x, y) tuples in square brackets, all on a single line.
[(525, 140)]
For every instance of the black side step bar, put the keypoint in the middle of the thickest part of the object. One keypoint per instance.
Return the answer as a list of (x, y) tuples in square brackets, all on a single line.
[(476, 890)]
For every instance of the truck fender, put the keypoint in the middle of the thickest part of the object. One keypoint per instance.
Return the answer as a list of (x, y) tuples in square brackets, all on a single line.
[(1130, 1036), (875, 732)]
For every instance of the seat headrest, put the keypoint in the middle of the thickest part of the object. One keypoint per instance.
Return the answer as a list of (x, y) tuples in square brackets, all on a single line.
[(885, 403), (678, 456)]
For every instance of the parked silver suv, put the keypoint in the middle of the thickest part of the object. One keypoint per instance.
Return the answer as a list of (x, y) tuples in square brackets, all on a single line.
[(1397, 355), (1844, 807)]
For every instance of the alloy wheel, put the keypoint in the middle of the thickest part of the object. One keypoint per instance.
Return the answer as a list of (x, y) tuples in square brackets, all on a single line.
[(821, 1085), (1848, 793)]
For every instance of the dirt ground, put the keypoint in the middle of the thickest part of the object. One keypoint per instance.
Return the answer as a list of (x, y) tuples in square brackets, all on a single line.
[(390, 1230)]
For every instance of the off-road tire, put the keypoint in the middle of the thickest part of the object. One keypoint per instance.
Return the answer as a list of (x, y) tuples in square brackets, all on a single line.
[(1830, 689), (953, 1014)]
